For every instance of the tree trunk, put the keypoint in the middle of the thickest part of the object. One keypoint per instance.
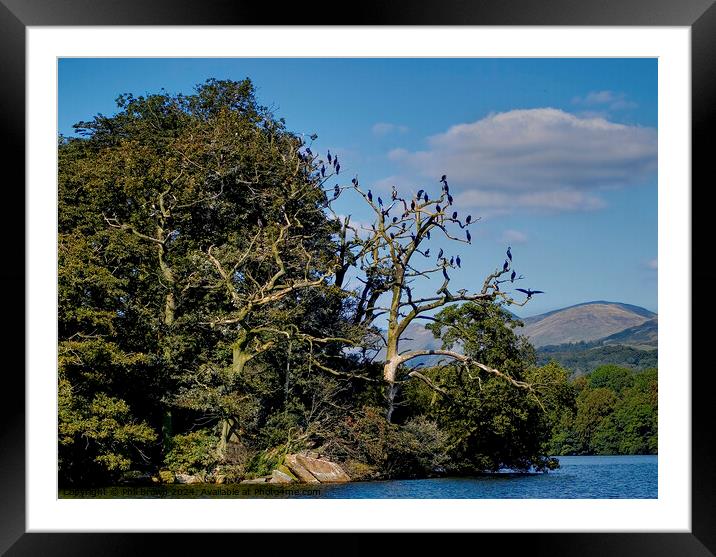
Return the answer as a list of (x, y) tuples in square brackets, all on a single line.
[(392, 391), (390, 371), (228, 433)]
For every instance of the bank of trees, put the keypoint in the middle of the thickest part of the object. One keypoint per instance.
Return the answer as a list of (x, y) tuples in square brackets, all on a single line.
[(615, 412), (206, 323)]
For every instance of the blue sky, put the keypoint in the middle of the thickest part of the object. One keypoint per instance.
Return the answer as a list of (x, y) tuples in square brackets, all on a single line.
[(558, 156)]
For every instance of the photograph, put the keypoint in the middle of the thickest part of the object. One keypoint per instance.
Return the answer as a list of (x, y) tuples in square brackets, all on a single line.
[(357, 278)]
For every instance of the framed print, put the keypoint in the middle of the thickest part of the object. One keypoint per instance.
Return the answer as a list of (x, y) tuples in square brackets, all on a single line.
[(409, 282)]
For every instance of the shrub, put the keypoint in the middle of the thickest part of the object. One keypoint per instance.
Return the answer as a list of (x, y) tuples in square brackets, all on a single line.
[(193, 453)]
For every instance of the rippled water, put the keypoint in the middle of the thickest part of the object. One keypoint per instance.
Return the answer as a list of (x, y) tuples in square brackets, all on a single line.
[(580, 477)]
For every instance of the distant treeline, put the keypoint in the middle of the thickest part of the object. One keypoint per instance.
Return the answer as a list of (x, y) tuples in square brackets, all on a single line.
[(615, 412), (583, 357)]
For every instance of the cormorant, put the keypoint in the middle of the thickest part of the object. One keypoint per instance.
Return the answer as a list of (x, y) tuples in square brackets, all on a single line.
[(440, 253), (512, 276), (509, 253), (469, 238), (370, 196), (457, 260), (505, 265), (468, 219), (330, 159), (454, 215), (529, 292)]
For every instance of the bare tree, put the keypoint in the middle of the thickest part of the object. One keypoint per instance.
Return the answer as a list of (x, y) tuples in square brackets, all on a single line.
[(392, 254)]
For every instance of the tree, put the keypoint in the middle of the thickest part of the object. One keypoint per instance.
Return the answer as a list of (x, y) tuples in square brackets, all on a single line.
[(190, 229), (392, 254), (490, 424)]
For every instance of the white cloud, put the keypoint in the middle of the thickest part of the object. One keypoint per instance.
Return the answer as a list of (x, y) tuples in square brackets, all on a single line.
[(614, 101), (385, 128), (536, 159), (514, 237)]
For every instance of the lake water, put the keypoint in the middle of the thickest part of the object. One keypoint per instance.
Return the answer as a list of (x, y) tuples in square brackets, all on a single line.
[(579, 477)]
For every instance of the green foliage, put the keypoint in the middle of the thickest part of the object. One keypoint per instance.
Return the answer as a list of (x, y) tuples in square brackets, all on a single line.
[(193, 452), (98, 437), (369, 442), (490, 424), (611, 377), (616, 413), (583, 357)]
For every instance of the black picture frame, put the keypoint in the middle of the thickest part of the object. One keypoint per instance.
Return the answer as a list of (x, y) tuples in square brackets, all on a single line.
[(16, 15)]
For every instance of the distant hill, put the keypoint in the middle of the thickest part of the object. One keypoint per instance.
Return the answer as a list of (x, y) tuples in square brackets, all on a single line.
[(580, 337), (634, 347), (587, 322), (643, 336)]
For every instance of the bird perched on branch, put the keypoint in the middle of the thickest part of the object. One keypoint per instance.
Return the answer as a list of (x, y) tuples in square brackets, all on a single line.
[(394, 194), (330, 158), (512, 276), (505, 265), (468, 219), (509, 253), (469, 238), (457, 260), (370, 196)]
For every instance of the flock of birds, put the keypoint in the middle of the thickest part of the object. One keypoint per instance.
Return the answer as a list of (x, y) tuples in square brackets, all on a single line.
[(423, 196)]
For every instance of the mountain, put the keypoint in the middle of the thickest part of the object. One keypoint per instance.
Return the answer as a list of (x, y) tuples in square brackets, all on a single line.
[(580, 337), (607, 322)]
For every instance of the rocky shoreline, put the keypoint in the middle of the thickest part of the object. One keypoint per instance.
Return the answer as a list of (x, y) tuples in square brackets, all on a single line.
[(299, 468)]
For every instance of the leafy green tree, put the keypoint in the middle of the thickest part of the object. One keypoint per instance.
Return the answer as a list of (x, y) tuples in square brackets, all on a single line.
[(489, 424), (611, 377), (190, 230)]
